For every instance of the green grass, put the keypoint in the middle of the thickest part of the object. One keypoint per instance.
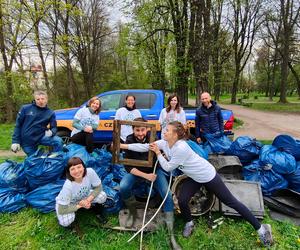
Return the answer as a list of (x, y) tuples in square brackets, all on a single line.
[(238, 123), (6, 131), (30, 229)]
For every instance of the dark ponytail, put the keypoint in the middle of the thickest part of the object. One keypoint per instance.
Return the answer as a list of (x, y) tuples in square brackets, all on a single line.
[(181, 131)]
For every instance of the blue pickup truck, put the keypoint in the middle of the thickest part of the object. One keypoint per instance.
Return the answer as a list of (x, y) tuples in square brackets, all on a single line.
[(149, 101)]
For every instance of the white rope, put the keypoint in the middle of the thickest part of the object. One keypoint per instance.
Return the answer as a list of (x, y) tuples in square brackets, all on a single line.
[(155, 212), (146, 207)]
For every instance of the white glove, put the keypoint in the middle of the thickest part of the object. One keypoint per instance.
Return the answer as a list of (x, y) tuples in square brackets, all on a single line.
[(48, 133), (15, 147)]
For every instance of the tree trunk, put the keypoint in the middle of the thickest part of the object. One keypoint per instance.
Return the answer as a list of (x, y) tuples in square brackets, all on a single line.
[(297, 78)]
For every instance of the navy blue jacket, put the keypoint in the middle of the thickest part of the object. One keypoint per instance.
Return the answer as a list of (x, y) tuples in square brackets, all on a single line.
[(31, 124), (209, 120)]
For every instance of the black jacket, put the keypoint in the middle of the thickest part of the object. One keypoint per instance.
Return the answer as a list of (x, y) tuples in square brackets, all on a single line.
[(137, 155)]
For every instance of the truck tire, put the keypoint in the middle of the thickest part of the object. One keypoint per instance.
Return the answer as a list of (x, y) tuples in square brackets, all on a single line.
[(65, 136)]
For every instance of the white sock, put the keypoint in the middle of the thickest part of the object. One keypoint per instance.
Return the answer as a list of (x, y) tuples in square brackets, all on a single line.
[(190, 223), (261, 230)]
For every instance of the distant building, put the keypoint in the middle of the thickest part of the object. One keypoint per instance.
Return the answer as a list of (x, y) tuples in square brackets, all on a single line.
[(35, 77)]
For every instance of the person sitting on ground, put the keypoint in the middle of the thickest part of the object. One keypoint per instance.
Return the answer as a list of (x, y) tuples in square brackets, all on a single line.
[(127, 113), (86, 121), (173, 112), (139, 174), (208, 119), (82, 189), (31, 128), (200, 172)]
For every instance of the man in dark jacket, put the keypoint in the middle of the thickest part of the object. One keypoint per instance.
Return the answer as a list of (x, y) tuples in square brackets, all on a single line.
[(32, 129), (140, 174), (209, 119)]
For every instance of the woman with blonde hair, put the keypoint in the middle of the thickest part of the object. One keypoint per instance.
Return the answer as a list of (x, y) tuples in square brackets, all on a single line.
[(85, 122)]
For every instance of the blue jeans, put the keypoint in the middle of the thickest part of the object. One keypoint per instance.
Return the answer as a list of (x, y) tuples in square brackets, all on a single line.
[(160, 184), (53, 141)]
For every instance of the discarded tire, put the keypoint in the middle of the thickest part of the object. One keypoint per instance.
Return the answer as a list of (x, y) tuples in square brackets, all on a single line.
[(201, 203)]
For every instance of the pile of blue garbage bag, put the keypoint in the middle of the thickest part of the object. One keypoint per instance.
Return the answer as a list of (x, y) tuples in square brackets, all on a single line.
[(37, 181)]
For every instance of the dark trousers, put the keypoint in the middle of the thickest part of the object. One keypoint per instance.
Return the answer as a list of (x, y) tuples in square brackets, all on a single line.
[(85, 139), (216, 186)]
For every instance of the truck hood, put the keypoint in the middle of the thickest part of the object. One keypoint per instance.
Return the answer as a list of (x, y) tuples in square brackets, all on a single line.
[(65, 114)]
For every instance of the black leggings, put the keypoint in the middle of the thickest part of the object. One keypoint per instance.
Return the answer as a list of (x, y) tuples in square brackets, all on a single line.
[(216, 185), (85, 139)]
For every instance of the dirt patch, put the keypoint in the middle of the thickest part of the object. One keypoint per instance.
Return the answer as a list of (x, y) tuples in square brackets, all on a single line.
[(265, 125), (8, 153)]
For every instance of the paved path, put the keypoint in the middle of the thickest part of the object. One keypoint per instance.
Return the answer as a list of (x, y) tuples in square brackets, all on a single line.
[(265, 125)]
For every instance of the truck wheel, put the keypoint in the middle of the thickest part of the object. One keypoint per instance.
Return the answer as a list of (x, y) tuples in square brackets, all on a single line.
[(65, 136)]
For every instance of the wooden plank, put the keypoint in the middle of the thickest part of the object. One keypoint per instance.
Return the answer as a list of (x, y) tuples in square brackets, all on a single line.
[(116, 144)]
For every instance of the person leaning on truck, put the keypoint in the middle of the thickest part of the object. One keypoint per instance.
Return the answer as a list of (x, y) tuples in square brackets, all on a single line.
[(32, 129), (86, 121), (208, 119)]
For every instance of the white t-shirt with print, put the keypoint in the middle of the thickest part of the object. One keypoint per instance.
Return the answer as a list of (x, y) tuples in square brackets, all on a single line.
[(86, 118), (73, 192), (126, 115), (166, 117)]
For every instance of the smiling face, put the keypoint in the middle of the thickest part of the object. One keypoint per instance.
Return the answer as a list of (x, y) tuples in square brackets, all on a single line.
[(41, 100), (95, 105), (173, 102), (205, 99), (77, 171), (140, 133), (170, 134), (130, 101)]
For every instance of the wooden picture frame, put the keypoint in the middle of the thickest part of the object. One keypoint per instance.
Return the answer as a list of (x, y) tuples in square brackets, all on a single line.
[(116, 144)]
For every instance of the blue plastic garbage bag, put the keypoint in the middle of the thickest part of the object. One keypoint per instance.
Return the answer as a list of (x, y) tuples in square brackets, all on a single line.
[(288, 144), (294, 179), (76, 150), (113, 203), (110, 182), (245, 148), (101, 162), (10, 200), (219, 142), (41, 168), (43, 197), (198, 149), (12, 175), (118, 171), (270, 181), (282, 162)]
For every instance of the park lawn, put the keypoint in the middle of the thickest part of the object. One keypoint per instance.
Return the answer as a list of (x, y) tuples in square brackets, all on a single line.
[(29, 229), (6, 131)]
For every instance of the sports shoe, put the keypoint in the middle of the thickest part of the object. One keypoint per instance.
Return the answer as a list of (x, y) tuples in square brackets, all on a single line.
[(188, 229), (266, 237)]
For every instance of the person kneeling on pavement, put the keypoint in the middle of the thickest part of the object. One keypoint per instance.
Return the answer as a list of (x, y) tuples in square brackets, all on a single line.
[(141, 174), (82, 189)]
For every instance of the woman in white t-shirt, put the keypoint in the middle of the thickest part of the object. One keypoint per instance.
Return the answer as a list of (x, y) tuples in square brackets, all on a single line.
[(200, 172), (85, 122), (127, 113), (82, 189), (173, 112)]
